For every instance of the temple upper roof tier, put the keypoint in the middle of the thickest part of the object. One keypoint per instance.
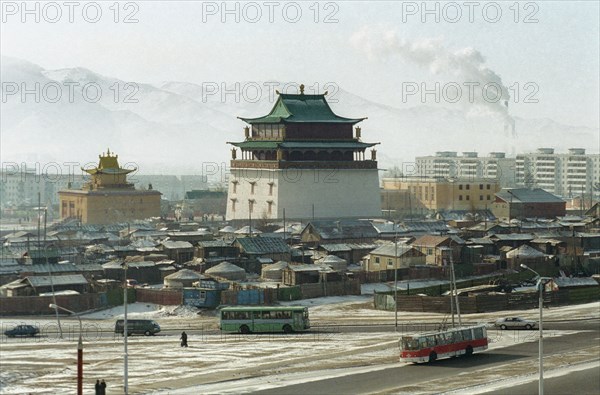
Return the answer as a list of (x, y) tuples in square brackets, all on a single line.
[(301, 108), (108, 164)]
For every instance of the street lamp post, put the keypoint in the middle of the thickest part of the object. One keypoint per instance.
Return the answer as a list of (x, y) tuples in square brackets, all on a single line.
[(540, 285), (79, 348)]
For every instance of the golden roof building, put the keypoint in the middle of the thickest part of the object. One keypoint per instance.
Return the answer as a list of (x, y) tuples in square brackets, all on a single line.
[(108, 197)]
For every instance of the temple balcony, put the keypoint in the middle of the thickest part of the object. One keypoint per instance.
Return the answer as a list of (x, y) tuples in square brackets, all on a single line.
[(286, 164)]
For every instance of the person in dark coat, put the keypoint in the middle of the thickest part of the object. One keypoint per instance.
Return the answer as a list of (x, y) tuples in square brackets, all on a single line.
[(97, 387), (103, 387), (183, 339)]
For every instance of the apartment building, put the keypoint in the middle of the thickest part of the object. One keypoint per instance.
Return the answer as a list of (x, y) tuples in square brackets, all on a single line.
[(570, 174), (448, 164)]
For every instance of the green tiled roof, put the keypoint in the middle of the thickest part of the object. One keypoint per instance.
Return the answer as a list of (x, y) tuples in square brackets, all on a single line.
[(257, 144), (301, 109), (303, 144)]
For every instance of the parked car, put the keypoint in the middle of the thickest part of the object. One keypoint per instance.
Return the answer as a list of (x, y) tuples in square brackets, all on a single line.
[(515, 323), (141, 327), (22, 330)]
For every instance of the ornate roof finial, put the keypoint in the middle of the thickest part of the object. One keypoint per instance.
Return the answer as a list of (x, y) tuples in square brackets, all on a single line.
[(301, 89), (108, 152)]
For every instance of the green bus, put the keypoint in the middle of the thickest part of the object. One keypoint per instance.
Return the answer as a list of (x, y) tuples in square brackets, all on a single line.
[(245, 319)]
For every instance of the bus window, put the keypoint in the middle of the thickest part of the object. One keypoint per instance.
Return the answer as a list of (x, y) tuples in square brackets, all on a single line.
[(467, 334), (266, 315), (408, 343), (432, 341), (478, 332), (458, 337)]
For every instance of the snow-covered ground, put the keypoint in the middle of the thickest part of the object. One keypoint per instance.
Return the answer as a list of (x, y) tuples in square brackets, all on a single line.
[(225, 363)]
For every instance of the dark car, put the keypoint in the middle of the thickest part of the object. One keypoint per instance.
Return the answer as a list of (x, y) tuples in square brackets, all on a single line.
[(22, 330)]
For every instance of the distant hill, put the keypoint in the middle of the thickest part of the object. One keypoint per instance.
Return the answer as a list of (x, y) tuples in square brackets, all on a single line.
[(173, 129)]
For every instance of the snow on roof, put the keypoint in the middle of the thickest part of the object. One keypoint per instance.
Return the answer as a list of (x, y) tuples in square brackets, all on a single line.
[(184, 274), (227, 229), (332, 259), (276, 266), (69, 279), (525, 251), (65, 292), (575, 282), (246, 231), (176, 244), (225, 267)]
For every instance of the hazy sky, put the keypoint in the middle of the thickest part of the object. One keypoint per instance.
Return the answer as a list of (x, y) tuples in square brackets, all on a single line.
[(556, 53)]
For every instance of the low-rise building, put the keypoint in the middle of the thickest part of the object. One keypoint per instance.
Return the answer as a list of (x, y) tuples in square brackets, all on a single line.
[(392, 256), (439, 249), (520, 203), (420, 195), (346, 231)]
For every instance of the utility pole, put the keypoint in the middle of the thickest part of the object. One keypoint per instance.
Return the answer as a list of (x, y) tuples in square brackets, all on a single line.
[(125, 335), (395, 277), (60, 334)]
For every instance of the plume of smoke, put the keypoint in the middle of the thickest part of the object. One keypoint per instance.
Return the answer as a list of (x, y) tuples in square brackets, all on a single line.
[(466, 65)]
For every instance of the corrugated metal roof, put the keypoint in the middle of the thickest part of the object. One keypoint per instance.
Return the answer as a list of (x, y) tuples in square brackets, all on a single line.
[(390, 250), (513, 236), (525, 251), (214, 243), (526, 195), (263, 245), (344, 229), (575, 282), (172, 245), (45, 281), (310, 268), (430, 240)]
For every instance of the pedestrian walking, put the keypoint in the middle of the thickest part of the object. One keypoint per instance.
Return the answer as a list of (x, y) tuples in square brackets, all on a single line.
[(183, 339), (103, 387), (97, 387)]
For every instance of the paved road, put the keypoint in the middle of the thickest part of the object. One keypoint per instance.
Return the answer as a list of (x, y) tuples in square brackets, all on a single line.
[(388, 380), (94, 330), (581, 382)]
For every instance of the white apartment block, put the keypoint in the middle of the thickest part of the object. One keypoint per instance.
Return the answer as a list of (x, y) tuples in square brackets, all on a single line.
[(448, 164), (565, 174), (21, 187)]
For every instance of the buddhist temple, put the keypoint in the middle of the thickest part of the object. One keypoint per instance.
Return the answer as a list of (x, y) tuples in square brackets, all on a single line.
[(108, 197), (302, 158)]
